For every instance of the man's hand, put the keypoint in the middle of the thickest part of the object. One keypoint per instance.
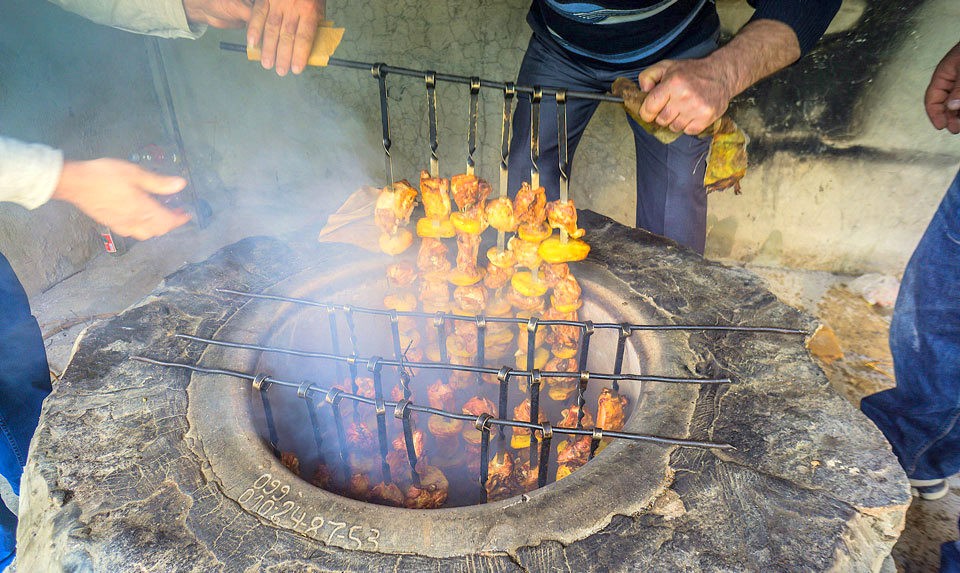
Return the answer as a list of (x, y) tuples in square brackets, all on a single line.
[(118, 194), (942, 99), (689, 95), (218, 13), (286, 29), (685, 95)]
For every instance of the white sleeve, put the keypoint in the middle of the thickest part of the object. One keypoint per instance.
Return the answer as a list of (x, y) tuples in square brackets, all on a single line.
[(164, 18), (28, 172)]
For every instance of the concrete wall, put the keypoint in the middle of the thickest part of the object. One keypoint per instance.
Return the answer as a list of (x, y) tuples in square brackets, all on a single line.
[(80, 87)]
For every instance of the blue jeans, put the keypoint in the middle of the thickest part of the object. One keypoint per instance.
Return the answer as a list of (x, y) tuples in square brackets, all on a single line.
[(671, 199), (920, 415), (24, 383)]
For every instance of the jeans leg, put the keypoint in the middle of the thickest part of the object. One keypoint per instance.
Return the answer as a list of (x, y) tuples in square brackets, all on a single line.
[(920, 415), (671, 199), (541, 66), (24, 383)]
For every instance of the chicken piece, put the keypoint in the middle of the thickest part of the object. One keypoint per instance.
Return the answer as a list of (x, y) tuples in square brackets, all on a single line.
[(570, 414), (560, 389), (434, 294), (403, 301), (467, 190), (564, 339), (611, 410), (360, 437), (552, 273), (476, 406), (501, 478), (566, 295), (500, 215), (400, 443), (468, 246), (525, 252), (433, 256), (530, 205), (359, 487), (461, 379), (386, 494), (471, 299), (523, 337), (440, 396), (572, 455), (526, 304), (504, 259), (401, 274), (563, 215), (322, 477), (526, 477), (521, 436), (394, 205), (290, 460), (435, 194), (497, 276), (432, 492)]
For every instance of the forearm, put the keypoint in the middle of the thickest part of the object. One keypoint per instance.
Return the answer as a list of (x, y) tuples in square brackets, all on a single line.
[(760, 49)]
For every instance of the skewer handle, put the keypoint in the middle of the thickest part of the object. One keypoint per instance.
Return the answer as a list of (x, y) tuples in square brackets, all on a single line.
[(509, 92), (430, 78), (562, 149), (381, 75), (474, 118), (535, 136)]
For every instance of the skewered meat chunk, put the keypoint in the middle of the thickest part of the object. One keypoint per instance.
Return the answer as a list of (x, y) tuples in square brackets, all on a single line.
[(500, 215), (322, 477), (570, 414), (521, 436), (525, 252), (432, 256), (440, 396), (386, 494), (560, 389), (435, 295), (611, 410), (401, 274), (527, 304), (564, 339), (553, 273), (468, 190), (472, 298), (400, 443), (359, 436), (566, 294), (394, 205), (530, 205), (359, 486), (467, 272), (505, 258), (290, 460), (401, 301), (435, 194), (501, 478), (476, 406), (571, 455), (526, 476), (432, 492), (497, 277), (563, 215)]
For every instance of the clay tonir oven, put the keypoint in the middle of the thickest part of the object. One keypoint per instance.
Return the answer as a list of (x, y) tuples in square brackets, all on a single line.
[(140, 466)]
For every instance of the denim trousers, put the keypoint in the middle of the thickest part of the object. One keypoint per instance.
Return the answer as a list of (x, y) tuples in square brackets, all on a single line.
[(24, 383), (671, 199), (920, 415)]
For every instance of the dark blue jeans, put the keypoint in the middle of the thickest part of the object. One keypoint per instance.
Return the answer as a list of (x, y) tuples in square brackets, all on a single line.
[(24, 383), (920, 415), (671, 199)]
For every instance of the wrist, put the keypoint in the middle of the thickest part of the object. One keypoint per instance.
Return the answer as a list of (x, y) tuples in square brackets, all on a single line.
[(66, 189), (728, 70)]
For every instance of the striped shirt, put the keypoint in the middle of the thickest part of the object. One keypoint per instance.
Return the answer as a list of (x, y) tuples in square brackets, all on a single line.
[(630, 33)]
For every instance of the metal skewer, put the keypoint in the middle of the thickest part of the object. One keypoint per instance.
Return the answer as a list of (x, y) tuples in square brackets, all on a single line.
[(562, 149), (430, 78), (509, 92), (535, 136), (378, 72), (474, 118)]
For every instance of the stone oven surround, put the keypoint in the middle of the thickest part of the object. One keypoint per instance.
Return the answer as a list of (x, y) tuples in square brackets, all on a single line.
[(120, 474)]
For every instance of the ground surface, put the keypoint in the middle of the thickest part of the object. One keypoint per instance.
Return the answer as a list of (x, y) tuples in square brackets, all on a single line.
[(111, 284)]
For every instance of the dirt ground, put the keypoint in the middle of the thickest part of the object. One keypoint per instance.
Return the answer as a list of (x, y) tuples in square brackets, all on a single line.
[(856, 358)]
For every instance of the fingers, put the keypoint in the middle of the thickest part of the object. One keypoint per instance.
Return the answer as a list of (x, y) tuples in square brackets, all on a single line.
[(652, 75), (258, 17), (157, 184), (303, 43), (151, 220), (288, 35), (270, 39)]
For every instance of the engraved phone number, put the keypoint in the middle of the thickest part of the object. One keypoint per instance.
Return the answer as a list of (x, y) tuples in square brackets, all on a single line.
[(265, 497)]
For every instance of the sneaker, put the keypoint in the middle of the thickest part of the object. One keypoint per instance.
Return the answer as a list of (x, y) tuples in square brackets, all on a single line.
[(929, 489)]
